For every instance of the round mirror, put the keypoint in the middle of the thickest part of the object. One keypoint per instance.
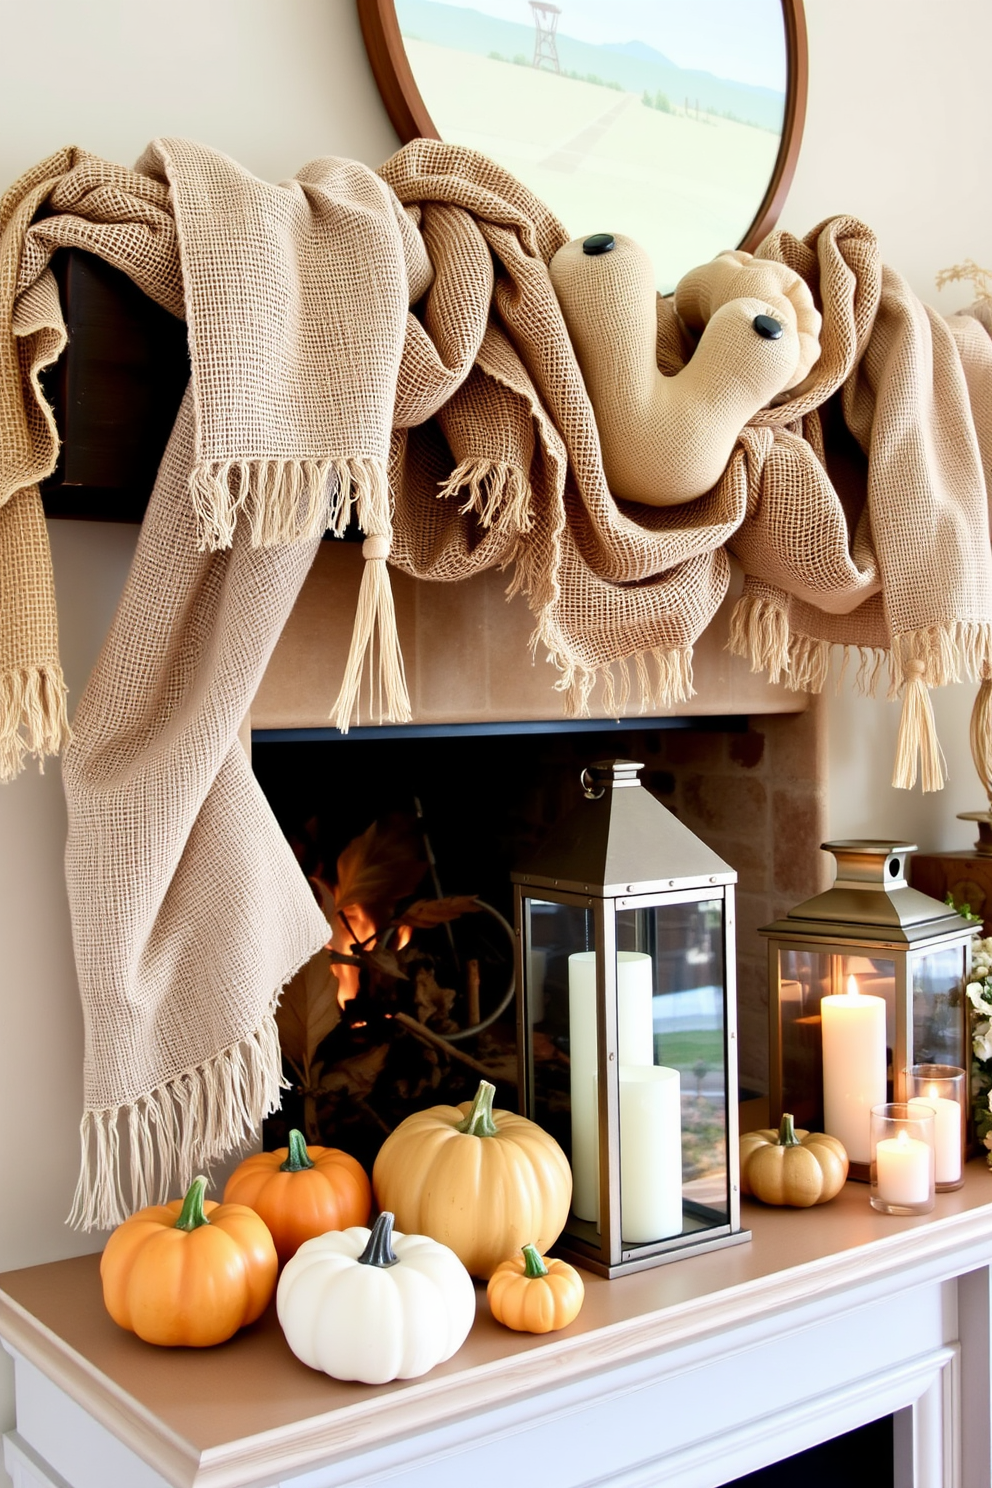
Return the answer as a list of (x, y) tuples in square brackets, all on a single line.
[(677, 122)]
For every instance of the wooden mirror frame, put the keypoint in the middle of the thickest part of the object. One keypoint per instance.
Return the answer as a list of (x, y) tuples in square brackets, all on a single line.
[(411, 120)]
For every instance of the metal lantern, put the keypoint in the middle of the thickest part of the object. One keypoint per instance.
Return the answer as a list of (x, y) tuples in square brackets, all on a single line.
[(627, 1025), (865, 981)]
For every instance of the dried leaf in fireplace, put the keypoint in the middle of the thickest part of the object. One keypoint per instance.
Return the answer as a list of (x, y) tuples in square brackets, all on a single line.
[(382, 866), (433, 1002), (424, 914), (357, 1075), (308, 1011)]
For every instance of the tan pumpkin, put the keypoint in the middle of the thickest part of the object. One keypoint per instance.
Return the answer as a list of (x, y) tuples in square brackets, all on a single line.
[(535, 1294), (798, 1168), (482, 1182)]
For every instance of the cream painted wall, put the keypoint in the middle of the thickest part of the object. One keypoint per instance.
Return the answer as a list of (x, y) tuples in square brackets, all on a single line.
[(899, 116)]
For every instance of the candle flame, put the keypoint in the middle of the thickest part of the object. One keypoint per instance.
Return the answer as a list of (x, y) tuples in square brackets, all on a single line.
[(853, 990), (933, 1093), (903, 1136)]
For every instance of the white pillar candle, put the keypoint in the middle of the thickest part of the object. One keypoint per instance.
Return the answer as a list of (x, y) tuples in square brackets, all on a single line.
[(903, 1168), (650, 1153), (635, 1032), (947, 1134), (854, 1066)]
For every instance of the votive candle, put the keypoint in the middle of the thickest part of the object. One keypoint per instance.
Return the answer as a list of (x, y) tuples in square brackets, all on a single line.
[(942, 1088)]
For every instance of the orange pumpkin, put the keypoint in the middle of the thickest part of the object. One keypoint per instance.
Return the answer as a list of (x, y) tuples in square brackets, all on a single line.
[(189, 1273), (302, 1191), (533, 1294)]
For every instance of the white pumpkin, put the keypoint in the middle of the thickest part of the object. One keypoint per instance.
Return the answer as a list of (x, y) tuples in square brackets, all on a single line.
[(373, 1305)]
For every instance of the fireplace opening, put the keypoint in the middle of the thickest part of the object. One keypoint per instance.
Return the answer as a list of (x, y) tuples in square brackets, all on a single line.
[(399, 832), (863, 1458)]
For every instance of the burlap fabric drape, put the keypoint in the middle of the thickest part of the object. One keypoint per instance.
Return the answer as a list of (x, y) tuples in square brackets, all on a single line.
[(882, 549), (189, 912), (309, 375)]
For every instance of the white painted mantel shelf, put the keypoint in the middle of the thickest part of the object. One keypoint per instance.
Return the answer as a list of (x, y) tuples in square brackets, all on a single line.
[(688, 1375)]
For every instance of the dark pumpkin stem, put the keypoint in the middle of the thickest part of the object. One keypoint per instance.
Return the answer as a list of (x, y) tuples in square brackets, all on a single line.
[(479, 1121), (787, 1132), (191, 1216), (297, 1158), (379, 1251), (534, 1262)]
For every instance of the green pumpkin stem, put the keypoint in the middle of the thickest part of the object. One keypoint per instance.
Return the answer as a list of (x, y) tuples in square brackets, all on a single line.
[(787, 1132), (191, 1216), (479, 1121), (534, 1262), (379, 1250), (297, 1159)]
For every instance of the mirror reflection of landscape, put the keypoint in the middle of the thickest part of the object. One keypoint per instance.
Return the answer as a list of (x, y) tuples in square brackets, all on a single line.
[(659, 119)]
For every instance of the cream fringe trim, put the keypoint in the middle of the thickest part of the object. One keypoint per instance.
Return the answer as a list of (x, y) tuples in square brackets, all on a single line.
[(933, 656), (671, 684), (374, 639), (498, 492), (176, 1130), (284, 501), (32, 716)]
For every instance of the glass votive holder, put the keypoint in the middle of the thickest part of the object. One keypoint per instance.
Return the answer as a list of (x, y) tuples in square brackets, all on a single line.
[(942, 1086), (902, 1158)]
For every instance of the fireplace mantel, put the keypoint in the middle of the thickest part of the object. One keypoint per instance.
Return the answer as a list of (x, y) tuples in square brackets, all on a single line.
[(467, 654), (690, 1374)]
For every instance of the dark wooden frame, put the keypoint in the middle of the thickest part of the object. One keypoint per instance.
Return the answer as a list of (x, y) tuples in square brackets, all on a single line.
[(411, 120)]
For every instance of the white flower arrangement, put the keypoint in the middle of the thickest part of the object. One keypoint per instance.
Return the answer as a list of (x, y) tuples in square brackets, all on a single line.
[(979, 991)]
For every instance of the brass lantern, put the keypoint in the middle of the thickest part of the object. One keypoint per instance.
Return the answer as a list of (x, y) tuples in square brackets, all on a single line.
[(865, 981), (627, 1025)]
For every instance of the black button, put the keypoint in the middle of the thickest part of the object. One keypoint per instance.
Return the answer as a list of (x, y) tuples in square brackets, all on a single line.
[(767, 327), (601, 243)]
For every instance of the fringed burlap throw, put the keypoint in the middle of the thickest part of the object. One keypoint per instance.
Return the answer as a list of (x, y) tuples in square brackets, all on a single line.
[(867, 528), (311, 380)]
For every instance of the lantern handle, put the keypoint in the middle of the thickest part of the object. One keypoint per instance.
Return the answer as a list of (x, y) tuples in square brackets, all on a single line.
[(585, 780)]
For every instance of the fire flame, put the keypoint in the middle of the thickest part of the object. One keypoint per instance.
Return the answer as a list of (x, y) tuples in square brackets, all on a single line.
[(362, 930)]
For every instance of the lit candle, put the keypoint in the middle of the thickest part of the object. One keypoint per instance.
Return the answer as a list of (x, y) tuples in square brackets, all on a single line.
[(854, 1063), (903, 1165), (947, 1133), (635, 1037), (650, 1153)]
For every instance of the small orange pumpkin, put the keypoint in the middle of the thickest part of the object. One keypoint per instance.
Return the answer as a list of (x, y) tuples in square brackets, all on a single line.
[(189, 1273), (302, 1191), (533, 1294)]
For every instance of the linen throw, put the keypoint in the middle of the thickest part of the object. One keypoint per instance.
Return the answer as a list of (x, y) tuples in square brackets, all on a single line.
[(390, 345)]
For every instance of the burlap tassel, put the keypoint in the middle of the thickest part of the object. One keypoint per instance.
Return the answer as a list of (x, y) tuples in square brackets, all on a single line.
[(759, 631), (981, 731), (284, 501), (498, 492), (174, 1132), (33, 716), (375, 619), (918, 735)]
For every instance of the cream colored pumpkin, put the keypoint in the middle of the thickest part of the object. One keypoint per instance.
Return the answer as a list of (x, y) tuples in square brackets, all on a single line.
[(787, 1166), (483, 1182)]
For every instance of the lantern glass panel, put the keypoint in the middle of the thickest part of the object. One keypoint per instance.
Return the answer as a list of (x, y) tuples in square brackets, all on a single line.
[(562, 1076), (938, 1021), (806, 976), (672, 1048)]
